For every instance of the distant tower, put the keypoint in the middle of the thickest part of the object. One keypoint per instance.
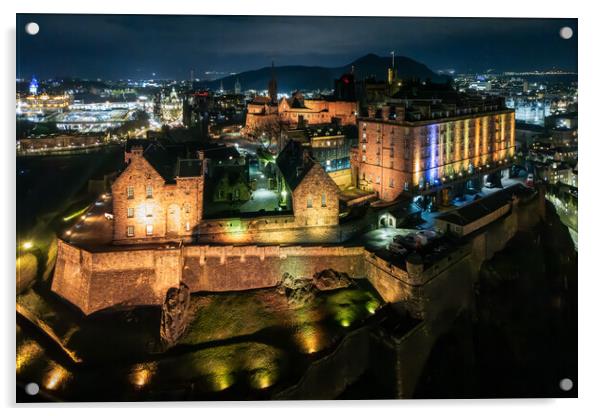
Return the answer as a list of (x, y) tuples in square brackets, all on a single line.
[(273, 86), (191, 78), (237, 88), (33, 86), (392, 80), (391, 72), (221, 87)]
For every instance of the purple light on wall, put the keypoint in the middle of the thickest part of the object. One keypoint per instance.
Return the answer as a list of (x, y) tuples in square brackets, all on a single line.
[(433, 134)]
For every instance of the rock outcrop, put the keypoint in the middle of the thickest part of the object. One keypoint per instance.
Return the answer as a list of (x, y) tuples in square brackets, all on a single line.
[(174, 314)]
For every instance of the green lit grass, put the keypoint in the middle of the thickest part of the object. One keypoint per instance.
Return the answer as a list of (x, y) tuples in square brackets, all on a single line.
[(220, 317)]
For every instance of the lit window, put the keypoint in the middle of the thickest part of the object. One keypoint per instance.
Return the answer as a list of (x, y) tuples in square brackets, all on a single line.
[(149, 229), (130, 231), (309, 202), (323, 200), (187, 226), (149, 210), (130, 212), (149, 191), (130, 192), (363, 158)]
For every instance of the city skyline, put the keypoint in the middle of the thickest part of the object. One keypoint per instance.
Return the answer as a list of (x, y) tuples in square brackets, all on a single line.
[(68, 45)]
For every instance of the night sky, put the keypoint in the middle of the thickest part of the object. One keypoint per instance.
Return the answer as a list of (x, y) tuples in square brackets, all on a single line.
[(125, 46)]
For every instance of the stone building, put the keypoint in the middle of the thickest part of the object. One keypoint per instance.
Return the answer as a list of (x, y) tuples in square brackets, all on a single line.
[(315, 195), (268, 113), (298, 111), (426, 145), (261, 113), (156, 198)]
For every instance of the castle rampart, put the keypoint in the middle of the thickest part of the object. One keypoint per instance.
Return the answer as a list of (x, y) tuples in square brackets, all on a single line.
[(141, 275)]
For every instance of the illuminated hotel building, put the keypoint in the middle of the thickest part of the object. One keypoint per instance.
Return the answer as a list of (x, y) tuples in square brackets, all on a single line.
[(431, 146), (42, 104)]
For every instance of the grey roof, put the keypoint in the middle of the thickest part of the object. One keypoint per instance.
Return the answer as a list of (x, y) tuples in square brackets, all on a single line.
[(484, 206), (188, 168), (292, 163)]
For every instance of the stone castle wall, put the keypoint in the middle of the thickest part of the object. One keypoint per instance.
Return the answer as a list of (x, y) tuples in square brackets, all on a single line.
[(277, 229), (93, 281), (141, 276), (430, 291)]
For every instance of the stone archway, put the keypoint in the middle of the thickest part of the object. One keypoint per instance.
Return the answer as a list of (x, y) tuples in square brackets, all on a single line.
[(386, 221)]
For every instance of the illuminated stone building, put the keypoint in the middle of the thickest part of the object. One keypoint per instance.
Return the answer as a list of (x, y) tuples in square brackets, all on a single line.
[(155, 198), (159, 196), (268, 113), (261, 114), (431, 146), (315, 195), (298, 111)]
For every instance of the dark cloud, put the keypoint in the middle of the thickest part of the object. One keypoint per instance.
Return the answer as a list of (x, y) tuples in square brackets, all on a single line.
[(120, 46)]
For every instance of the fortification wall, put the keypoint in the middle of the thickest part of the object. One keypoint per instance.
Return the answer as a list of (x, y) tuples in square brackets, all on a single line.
[(278, 229), (141, 276), (430, 291), (93, 281), (228, 268)]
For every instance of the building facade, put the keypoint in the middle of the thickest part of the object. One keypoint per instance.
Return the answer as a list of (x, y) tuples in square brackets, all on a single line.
[(299, 111), (152, 206), (315, 195), (414, 153)]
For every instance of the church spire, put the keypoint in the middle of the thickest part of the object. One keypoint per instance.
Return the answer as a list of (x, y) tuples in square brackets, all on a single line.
[(273, 86)]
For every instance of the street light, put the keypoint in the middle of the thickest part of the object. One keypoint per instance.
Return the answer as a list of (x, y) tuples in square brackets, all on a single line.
[(27, 245)]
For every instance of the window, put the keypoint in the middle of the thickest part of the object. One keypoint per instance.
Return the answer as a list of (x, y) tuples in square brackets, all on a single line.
[(187, 226), (149, 210), (323, 200), (391, 183), (309, 202), (130, 192), (130, 212), (363, 158), (149, 191), (130, 231), (149, 229)]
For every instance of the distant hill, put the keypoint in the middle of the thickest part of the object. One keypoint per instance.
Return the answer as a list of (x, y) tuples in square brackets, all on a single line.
[(295, 77)]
